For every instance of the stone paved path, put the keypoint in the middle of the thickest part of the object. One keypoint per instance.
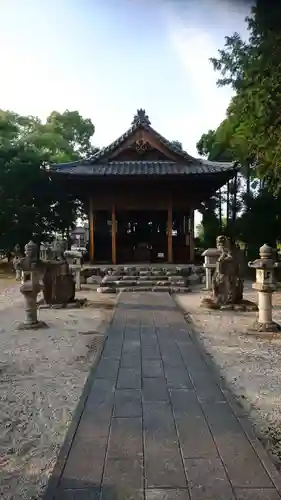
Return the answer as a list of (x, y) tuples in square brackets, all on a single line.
[(156, 425)]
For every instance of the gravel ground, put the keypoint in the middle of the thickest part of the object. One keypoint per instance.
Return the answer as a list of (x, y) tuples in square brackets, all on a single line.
[(251, 365), (42, 374)]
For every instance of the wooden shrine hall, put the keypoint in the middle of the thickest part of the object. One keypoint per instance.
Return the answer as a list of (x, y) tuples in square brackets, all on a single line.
[(140, 193)]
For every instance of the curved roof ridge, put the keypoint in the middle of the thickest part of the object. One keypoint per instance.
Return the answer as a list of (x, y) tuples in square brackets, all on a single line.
[(140, 121)]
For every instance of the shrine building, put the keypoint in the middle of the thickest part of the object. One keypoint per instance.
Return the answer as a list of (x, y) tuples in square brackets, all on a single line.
[(141, 192)]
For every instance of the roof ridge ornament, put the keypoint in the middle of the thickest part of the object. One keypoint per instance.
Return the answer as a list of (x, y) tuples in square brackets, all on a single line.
[(141, 118)]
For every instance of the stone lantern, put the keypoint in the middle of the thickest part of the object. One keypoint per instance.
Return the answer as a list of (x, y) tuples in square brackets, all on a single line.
[(31, 287), (211, 256), (74, 260), (43, 251), (265, 286), (17, 267)]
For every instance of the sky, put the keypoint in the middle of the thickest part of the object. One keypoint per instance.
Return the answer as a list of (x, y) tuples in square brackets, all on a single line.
[(107, 58)]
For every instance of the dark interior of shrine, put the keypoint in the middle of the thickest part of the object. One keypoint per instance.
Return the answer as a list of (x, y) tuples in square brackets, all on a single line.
[(141, 236)]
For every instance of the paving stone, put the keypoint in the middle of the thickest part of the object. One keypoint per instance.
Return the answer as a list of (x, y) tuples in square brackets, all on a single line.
[(185, 401), (167, 494), (155, 389), (132, 322), (132, 330), (152, 368), (186, 343), (173, 359), (177, 377), (148, 335), (112, 350), (150, 351), (169, 347), (207, 479), (148, 332), (254, 494), (123, 479), (107, 368), (206, 388), (261, 452), (84, 465), (133, 336), (102, 390), (165, 473), (160, 439), (131, 346), (195, 438), (128, 403), (126, 438), (181, 336), (122, 493), (129, 378), (95, 422), (243, 466), (131, 361), (159, 428), (79, 494), (191, 355)]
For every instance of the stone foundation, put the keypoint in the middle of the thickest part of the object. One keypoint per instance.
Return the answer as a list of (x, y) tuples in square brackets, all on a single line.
[(244, 305), (172, 279)]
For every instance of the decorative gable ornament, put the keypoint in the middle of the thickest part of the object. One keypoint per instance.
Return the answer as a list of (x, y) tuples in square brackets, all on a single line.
[(141, 146), (141, 118)]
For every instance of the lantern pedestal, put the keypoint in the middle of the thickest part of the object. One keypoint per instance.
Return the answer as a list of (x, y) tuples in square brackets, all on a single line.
[(265, 286)]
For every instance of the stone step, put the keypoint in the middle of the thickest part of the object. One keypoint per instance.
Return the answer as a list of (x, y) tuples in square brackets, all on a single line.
[(169, 289), (146, 283), (142, 278), (150, 270)]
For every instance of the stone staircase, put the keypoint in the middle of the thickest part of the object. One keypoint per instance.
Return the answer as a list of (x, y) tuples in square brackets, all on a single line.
[(172, 279)]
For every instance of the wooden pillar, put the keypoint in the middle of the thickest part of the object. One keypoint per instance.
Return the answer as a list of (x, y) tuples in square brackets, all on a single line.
[(191, 236), (91, 232), (113, 234), (170, 232)]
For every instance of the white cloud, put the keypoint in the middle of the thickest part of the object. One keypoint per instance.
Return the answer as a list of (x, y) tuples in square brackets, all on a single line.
[(196, 30), (194, 47)]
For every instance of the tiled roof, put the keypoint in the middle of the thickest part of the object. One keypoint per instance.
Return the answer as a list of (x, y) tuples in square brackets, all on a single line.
[(99, 164), (140, 121), (157, 168)]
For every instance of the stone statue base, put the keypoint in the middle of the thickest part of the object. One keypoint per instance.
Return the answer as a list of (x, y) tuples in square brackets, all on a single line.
[(264, 328), (75, 304), (32, 326), (243, 305), (59, 285)]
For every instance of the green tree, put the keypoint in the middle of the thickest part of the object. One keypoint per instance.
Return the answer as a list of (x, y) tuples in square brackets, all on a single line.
[(253, 69), (33, 204)]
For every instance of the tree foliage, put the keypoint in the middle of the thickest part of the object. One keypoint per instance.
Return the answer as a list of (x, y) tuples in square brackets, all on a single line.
[(33, 204), (251, 132), (253, 69)]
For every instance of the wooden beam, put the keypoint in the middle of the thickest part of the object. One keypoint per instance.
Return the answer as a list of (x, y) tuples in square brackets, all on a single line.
[(170, 232), (113, 234), (91, 231)]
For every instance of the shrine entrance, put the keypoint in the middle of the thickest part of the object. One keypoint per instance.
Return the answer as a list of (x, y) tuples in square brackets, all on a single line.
[(141, 236)]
